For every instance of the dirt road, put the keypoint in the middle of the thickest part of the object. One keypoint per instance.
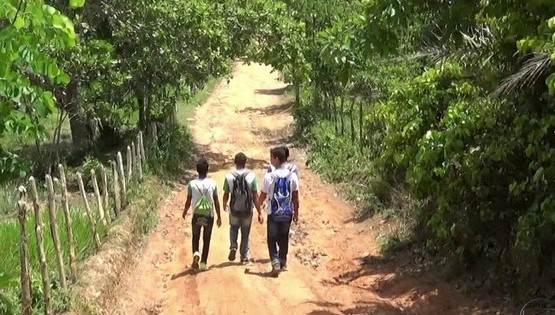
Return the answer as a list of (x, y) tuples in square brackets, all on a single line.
[(334, 266)]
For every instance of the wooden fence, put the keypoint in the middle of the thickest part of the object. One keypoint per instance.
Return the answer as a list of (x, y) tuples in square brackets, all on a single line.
[(123, 176)]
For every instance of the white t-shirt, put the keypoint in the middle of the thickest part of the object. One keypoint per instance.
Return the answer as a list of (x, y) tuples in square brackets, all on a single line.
[(288, 165), (270, 179), (196, 188)]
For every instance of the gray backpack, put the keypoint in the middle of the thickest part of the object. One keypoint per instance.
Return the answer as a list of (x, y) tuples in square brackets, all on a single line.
[(241, 196)]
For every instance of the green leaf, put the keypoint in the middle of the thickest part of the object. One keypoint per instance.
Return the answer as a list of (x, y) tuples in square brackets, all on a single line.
[(19, 23), (74, 4), (63, 78)]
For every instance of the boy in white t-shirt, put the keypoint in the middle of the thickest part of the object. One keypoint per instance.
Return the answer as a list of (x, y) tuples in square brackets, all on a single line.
[(280, 189), (202, 194), (288, 164)]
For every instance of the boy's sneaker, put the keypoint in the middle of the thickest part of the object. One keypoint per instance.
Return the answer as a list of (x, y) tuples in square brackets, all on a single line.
[(276, 268), (232, 254), (203, 266), (196, 259), (283, 267), (245, 261)]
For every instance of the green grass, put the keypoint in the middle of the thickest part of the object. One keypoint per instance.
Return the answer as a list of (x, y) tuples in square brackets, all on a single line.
[(19, 141), (8, 200), (10, 260)]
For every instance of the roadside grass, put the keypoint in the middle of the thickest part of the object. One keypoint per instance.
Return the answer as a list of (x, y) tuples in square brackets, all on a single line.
[(10, 261)]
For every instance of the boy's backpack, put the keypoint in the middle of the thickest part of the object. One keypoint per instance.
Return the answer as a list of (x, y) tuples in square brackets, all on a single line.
[(241, 196), (204, 205), (281, 203)]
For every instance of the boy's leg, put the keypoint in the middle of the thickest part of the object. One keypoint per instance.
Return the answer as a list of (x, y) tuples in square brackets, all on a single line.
[(195, 240), (234, 225), (283, 242), (206, 235), (272, 236), (245, 232)]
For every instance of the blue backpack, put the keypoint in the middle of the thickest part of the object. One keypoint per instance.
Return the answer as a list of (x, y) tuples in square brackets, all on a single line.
[(282, 200)]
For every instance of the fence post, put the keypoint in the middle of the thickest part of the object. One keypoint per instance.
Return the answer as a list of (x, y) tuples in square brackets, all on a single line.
[(88, 209), (39, 229), (134, 158), (98, 197), (105, 191), (122, 180), (115, 182), (26, 305), (69, 223), (139, 158), (142, 146), (129, 165), (54, 231)]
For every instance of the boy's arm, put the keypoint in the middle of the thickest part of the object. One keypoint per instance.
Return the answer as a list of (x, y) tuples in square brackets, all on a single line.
[(264, 189), (226, 194), (216, 202), (296, 203), (188, 201), (254, 188)]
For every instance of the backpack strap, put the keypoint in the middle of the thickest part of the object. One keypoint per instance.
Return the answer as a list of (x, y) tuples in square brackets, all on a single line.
[(203, 192)]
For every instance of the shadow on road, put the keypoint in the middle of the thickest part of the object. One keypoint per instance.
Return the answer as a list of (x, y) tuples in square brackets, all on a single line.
[(278, 91), (219, 161), (376, 307), (188, 272), (262, 274), (269, 110)]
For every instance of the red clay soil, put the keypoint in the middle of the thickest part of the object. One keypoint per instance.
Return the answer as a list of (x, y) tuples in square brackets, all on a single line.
[(334, 267)]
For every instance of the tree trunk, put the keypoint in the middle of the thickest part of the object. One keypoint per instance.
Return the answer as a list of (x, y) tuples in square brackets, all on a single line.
[(342, 112), (335, 120), (352, 118), (141, 103), (80, 134), (360, 117)]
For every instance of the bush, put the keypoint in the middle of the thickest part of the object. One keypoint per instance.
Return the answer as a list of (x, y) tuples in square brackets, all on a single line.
[(172, 151)]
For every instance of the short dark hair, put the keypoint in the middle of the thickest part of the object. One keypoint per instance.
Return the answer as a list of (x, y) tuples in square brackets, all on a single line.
[(240, 159), (279, 153), (286, 149), (202, 167)]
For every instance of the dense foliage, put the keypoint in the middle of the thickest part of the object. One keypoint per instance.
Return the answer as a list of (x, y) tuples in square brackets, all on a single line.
[(451, 101), (119, 65)]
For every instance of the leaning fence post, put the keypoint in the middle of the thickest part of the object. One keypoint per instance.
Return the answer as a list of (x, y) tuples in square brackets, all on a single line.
[(134, 158), (98, 197), (139, 158), (115, 182), (69, 223), (105, 193), (142, 146), (104, 176), (54, 231), (122, 180), (26, 305), (129, 164), (88, 210), (39, 229)]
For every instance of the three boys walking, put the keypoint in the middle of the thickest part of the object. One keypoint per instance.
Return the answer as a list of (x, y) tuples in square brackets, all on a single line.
[(280, 190)]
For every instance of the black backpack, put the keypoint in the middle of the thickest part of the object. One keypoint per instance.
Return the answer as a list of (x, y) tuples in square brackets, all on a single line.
[(241, 196)]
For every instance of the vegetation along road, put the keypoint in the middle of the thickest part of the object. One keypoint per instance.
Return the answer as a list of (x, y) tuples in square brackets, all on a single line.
[(423, 130)]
